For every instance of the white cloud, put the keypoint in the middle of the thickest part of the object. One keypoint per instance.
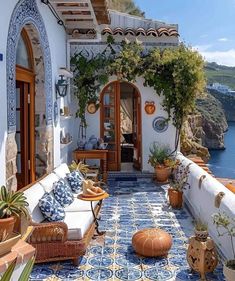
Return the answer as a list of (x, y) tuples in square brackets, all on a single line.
[(225, 58), (202, 48), (223, 39)]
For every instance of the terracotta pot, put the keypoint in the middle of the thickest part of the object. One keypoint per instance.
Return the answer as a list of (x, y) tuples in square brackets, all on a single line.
[(6, 227), (175, 198), (201, 235), (151, 242), (162, 173), (229, 273)]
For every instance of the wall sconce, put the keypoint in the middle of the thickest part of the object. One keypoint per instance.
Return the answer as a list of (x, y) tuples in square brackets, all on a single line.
[(62, 83)]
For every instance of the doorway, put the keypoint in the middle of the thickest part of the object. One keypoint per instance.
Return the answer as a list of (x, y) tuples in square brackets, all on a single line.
[(121, 126), (25, 112)]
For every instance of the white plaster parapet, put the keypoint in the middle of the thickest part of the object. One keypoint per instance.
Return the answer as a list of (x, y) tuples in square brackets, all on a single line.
[(200, 199)]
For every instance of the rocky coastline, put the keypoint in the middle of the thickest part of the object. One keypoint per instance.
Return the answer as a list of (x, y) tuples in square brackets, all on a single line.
[(204, 129)]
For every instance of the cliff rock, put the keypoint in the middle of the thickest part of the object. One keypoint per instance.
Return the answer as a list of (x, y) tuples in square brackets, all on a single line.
[(204, 129)]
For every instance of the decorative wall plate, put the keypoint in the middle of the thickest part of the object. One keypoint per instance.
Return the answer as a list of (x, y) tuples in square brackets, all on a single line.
[(92, 108), (160, 124)]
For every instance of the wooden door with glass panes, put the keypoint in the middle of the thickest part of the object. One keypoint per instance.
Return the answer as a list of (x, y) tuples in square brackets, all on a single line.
[(110, 123)]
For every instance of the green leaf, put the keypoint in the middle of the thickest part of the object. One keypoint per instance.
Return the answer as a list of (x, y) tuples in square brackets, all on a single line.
[(8, 273), (27, 270)]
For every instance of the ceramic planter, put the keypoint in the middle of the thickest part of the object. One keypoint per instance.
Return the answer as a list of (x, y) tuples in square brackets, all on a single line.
[(162, 173), (229, 273), (201, 235), (175, 198), (202, 256), (6, 227)]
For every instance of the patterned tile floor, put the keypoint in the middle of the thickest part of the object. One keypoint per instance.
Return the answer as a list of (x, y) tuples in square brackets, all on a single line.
[(133, 205)]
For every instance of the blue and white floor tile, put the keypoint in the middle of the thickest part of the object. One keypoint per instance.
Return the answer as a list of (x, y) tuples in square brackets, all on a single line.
[(132, 205)]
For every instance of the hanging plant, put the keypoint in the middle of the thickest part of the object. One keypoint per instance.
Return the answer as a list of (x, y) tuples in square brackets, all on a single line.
[(177, 74), (128, 62), (90, 74)]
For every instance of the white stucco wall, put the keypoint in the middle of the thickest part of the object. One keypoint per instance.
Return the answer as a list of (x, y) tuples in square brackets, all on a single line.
[(201, 202), (148, 133), (57, 41)]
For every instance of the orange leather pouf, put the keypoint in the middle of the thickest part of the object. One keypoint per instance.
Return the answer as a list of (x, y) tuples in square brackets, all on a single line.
[(152, 242)]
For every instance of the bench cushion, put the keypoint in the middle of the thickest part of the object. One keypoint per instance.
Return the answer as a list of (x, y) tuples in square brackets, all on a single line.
[(48, 182), (62, 170), (80, 206), (78, 223), (33, 194)]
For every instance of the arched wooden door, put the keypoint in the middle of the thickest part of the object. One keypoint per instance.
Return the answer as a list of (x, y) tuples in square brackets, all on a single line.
[(25, 112), (110, 125)]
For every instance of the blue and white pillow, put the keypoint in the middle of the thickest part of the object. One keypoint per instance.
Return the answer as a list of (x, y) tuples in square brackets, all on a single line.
[(50, 208), (63, 193), (75, 179)]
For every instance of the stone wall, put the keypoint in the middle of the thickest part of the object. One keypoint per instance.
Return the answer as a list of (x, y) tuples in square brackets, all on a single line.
[(11, 169)]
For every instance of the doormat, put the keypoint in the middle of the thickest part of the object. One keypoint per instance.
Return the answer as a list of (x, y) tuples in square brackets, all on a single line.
[(127, 178)]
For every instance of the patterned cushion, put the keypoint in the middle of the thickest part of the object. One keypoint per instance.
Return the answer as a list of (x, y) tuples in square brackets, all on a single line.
[(75, 181), (63, 193), (50, 208)]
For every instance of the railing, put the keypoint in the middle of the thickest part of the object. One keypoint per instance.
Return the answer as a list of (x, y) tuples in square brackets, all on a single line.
[(204, 195)]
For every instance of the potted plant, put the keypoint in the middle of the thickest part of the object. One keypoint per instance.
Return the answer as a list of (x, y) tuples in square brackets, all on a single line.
[(161, 161), (223, 222), (201, 230), (12, 205), (178, 184)]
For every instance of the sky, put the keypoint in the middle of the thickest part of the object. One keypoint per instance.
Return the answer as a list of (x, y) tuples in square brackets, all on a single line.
[(206, 25)]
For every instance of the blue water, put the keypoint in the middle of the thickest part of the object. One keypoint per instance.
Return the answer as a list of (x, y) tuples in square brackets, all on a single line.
[(222, 162)]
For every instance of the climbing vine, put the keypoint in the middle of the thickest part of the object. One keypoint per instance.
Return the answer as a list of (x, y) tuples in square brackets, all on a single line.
[(175, 73)]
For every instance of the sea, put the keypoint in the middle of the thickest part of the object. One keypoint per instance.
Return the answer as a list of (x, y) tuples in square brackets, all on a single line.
[(222, 162)]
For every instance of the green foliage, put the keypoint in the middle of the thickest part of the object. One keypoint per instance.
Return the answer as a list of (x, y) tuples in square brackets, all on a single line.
[(90, 74), (220, 74), (8, 273), (125, 6), (128, 62), (25, 274), (158, 154), (175, 73), (12, 203), (225, 226), (178, 75), (200, 225)]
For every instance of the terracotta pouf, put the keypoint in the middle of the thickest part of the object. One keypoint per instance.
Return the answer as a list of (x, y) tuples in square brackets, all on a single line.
[(151, 242)]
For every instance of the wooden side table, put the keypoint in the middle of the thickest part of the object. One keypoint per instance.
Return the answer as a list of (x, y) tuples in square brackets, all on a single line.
[(92, 199), (100, 154)]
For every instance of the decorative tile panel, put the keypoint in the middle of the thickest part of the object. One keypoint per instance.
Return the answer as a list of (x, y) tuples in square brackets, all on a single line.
[(26, 12)]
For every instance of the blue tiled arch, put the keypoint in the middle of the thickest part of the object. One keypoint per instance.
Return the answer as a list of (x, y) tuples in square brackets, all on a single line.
[(26, 12)]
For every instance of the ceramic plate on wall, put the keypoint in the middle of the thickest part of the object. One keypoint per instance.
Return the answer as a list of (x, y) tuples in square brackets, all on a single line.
[(160, 124)]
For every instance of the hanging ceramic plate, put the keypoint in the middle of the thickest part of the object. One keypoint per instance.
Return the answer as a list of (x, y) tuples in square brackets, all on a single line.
[(160, 124)]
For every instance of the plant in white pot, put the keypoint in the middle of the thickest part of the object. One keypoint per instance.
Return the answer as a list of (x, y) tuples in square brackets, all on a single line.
[(226, 226), (12, 205)]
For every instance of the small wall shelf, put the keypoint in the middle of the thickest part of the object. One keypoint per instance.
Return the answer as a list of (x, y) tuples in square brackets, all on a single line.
[(63, 145), (62, 117)]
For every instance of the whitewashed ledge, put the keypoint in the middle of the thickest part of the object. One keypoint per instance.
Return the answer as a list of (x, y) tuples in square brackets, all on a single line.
[(201, 202)]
